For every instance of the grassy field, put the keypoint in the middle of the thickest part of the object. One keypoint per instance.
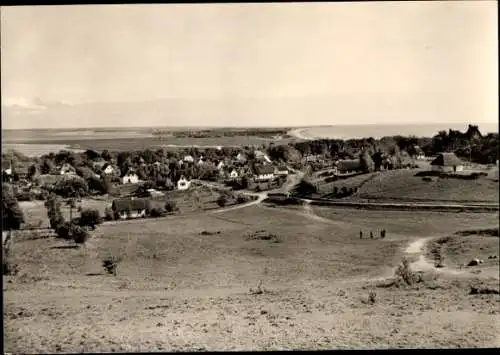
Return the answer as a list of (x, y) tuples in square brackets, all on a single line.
[(403, 185), (142, 143), (36, 215), (457, 250), (188, 283)]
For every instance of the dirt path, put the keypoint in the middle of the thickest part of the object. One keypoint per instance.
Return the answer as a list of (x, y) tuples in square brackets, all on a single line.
[(417, 248)]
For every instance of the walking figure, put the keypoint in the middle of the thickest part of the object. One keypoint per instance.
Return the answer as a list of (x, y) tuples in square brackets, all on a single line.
[(371, 235), (382, 234), (360, 234)]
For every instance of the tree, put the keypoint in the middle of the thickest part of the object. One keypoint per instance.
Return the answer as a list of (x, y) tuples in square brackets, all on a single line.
[(170, 206), (91, 154), (12, 215), (53, 206), (377, 160), (90, 217), (79, 235), (32, 172), (366, 161), (222, 200), (71, 187), (47, 166)]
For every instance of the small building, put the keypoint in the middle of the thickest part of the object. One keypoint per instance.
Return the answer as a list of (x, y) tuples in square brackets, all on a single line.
[(447, 163), (419, 153), (281, 170), (130, 208), (67, 169), (233, 174), (241, 157), (154, 193), (263, 173), (108, 169), (188, 159), (221, 165), (183, 183), (259, 155), (130, 178), (349, 166)]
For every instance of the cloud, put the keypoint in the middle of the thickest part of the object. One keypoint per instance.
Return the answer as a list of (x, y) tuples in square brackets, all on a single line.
[(24, 105)]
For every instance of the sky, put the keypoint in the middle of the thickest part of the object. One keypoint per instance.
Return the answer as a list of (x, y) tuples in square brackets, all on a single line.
[(269, 64)]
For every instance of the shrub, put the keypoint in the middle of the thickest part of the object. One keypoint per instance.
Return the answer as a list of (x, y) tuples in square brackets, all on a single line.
[(9, 268), (108, 214), (80, 235), (222, 200), (372, 297), (63, 230), (406, 274), (110, 264), (242, 199), (170, 206), (158, 212), (90, 217)]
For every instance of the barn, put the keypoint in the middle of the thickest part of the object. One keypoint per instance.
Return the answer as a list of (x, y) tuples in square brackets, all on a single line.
[(447, 163)]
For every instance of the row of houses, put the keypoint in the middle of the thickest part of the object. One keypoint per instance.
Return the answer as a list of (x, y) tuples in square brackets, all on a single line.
[(443, 162)]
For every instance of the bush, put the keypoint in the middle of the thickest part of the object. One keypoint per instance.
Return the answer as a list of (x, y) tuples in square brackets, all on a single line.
[(79, 234), (170, 206), (110, 264), (158, 212), (222, 201), (372, 297), (9, 269), (406, 274), (242, 199), (108, 214), (90, 217), (25, 196), (63, 230)]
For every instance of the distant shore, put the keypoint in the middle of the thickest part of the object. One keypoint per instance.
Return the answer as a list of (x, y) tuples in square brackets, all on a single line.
[(301, 133)]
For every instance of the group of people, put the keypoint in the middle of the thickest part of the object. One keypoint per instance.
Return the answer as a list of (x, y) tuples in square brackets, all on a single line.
[(382, 234)]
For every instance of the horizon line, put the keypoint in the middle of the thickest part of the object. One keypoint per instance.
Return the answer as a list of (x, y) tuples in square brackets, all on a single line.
[(252, 127)]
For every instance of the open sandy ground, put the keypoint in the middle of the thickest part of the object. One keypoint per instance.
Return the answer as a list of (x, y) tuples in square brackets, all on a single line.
[(178, 289)]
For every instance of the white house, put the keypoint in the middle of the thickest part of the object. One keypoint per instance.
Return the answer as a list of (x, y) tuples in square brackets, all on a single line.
[(264, 173), (130, 178), (233, 174), (241, 157), (108, 169), (221, 165), (183, 183), (447, 163), (259, 155), (200, 161), (189, 159), (281, 171), (419, 153), (67, 169)]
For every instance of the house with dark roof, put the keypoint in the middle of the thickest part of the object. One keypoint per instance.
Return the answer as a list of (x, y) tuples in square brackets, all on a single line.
[(130, 208), (447, 163), (349, 166), (263, 173)]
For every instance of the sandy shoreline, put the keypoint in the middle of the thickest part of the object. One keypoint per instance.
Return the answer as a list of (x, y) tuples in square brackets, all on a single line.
[(301, 133)]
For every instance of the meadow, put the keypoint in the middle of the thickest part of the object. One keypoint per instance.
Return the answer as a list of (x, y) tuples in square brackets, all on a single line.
[(404, 186), (219, 282)]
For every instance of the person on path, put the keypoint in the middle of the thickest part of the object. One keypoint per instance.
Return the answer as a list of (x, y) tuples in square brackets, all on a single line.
[(371, 235), (382, 234), (360, 234)]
